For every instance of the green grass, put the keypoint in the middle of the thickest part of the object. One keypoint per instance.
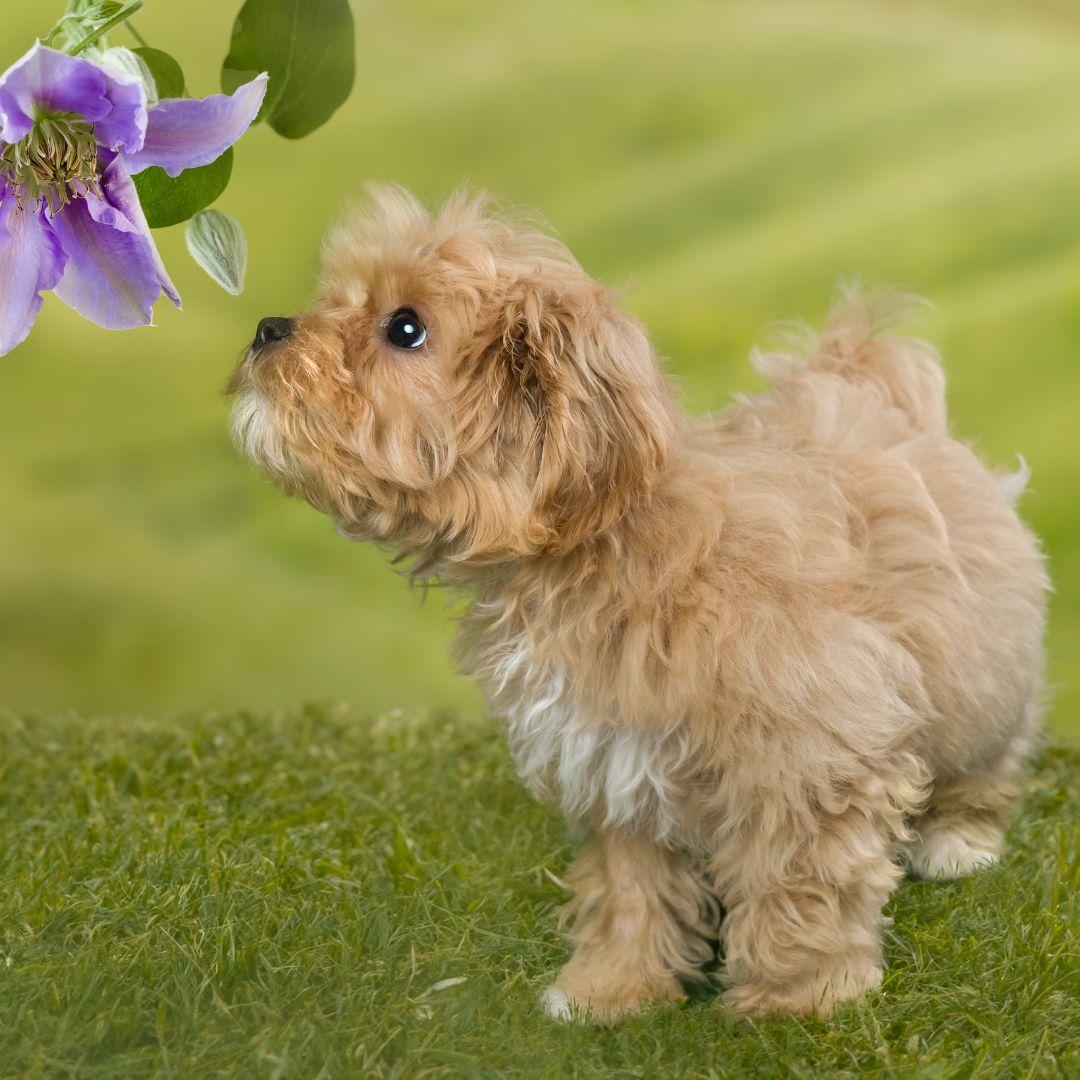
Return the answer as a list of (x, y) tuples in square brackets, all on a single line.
[(287, 895), (732, 160)]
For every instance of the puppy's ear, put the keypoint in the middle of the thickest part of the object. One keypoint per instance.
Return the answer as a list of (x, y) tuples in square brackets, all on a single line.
[(581, 383)]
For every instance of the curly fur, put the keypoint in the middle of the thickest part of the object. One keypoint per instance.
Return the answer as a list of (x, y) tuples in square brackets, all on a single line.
[(762, 657)]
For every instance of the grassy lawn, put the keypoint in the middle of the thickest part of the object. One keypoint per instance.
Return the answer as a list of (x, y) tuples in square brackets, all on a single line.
[(315, 894)]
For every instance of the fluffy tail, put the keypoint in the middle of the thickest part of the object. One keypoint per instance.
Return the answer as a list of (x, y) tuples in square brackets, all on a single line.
[(858, 344), (1013, 484)]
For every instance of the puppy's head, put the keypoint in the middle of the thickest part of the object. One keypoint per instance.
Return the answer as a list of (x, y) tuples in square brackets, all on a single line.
[(461, 388)]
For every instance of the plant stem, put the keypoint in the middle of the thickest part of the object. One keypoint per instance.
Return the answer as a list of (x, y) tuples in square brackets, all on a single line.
[(136, 35), (121, 16)]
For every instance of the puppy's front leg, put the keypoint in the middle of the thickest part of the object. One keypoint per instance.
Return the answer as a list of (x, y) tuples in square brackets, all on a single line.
[(803, 885), (642, 917)]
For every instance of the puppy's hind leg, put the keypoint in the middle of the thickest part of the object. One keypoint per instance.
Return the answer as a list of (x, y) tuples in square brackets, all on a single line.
[(803, 883), (964, 826), (642, 918)]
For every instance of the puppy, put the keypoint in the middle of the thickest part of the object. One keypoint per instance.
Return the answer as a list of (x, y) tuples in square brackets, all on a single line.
[(763, 659)]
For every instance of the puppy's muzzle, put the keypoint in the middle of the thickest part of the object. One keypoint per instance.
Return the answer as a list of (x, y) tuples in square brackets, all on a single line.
[(273, 330)]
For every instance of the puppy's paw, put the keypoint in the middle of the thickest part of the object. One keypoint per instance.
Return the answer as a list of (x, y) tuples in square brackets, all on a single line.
[(815, 996), (943, 854), (570, 999), (559, 1005)]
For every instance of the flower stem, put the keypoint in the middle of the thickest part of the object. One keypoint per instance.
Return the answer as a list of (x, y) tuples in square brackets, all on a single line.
[(137, 36), (122, 15)]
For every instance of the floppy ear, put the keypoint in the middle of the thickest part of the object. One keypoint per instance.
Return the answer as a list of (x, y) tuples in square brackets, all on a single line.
[(581, 377)]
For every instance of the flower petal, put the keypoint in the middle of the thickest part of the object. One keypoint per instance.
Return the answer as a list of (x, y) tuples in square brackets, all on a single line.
[(128, 216), (125, 126), (47, 80), (111, 276), (31, 262), (184, 133)]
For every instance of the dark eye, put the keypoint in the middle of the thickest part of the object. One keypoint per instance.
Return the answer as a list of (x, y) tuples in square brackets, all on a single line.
[(405, 330)]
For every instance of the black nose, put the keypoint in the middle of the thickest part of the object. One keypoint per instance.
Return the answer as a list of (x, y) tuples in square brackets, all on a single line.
[(271, 330)]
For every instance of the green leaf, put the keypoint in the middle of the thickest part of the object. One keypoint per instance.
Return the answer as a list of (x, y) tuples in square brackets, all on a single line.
[(308, 48), (168, 201), (216, 242), (166, 71)]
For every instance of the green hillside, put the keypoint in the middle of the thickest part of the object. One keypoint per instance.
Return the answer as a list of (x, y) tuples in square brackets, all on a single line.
[(731, 162)]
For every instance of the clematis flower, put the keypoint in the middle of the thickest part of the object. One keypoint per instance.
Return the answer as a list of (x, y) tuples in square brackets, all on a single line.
[(72, 135)]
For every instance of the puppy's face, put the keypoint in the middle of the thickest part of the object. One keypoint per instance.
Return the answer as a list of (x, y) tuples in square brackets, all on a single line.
[(461, 388)]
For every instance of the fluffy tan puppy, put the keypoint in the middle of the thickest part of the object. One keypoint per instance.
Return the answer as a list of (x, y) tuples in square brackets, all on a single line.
[(763, 659)]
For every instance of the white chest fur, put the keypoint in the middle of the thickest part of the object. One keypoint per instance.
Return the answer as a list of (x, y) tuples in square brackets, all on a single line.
[(592, 767)]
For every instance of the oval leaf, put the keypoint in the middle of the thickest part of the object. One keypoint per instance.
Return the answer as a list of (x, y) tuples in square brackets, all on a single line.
[(168, 77), (308, 48), (168, 201), (216, 242)]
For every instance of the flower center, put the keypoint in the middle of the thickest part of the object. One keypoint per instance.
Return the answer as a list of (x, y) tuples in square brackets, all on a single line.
[(55, 163)]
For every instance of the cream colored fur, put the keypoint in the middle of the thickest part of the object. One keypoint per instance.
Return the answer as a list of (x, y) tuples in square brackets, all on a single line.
[(763, 658)]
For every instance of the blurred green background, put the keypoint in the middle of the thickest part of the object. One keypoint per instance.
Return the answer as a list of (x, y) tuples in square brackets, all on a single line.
[(730, 161)]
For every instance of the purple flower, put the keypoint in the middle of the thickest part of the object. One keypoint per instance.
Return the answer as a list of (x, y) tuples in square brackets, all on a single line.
[(72, 135)]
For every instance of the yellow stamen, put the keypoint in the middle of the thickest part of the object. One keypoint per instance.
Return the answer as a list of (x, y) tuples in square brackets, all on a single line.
[(55, 163)]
